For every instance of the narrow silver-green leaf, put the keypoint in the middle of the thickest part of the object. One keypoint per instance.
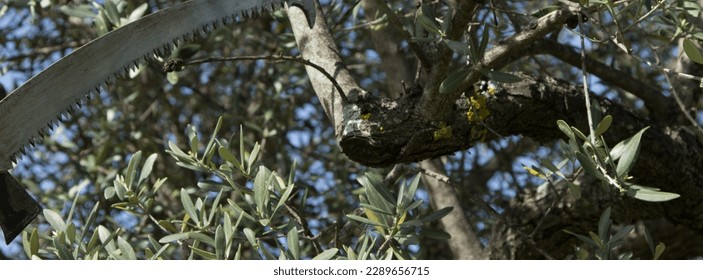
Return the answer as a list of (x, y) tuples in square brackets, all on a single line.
[(54, 220), (622, 233), (192, 133), (427, 23), (202, 238), (167, 226), (412, 189), (412, 223), (436, 215), (61, 249), (436, 234), (625, 256), (91, 219), (454, 81), (284, 197), (159, 182), (34, 243), (293, 245), (228, 156), (596, 239), (131, 169), (376, 192), (174, 237), (326, 254), (650, 195), (603, 125), (111, 13), (630, 152), (126, 249), (566, 129), (204, 254), (579, 134), (375, 209), (659, 250), (146, 168), (161, 250), (604, 224), (106, 238), (410, 206), (80, 11), (291, 175), (210, 148), (177, 153), (241, 147), (692, 51), (188, 206), (364, 220), (251, 160), (261, 191), (501, 77), (485, 36), (137, 13), (220, 242), (251, 237), (228, 229)]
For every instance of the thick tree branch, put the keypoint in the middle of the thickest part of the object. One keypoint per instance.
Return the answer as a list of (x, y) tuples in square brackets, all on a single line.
[(669, 159), (660, 106), (434, 105), (317, 45)]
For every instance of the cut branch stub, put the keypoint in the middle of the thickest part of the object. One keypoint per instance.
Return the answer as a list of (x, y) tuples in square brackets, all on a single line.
[(384, 132)]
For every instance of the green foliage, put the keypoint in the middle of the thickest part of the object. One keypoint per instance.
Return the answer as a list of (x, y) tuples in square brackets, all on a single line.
[(597, 160), (604, 245), (226, 218), (226, 201), (392, 217)]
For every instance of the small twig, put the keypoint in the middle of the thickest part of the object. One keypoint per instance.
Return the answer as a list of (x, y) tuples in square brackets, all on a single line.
[(175, 65), (303, 223), (682, 107), (584, 74), (364, 25), (344, 16), (645, 16), (472, 197)]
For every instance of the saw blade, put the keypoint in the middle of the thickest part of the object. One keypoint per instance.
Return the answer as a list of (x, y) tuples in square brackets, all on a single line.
[(30, 111)]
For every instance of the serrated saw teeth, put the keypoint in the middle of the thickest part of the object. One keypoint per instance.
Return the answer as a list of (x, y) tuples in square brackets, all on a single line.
[(25, 112)]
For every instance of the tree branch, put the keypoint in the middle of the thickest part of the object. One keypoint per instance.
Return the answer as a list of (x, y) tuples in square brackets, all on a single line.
[(433, 104), (669, 159), (175, 65), (318, 47), (660, 106)]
